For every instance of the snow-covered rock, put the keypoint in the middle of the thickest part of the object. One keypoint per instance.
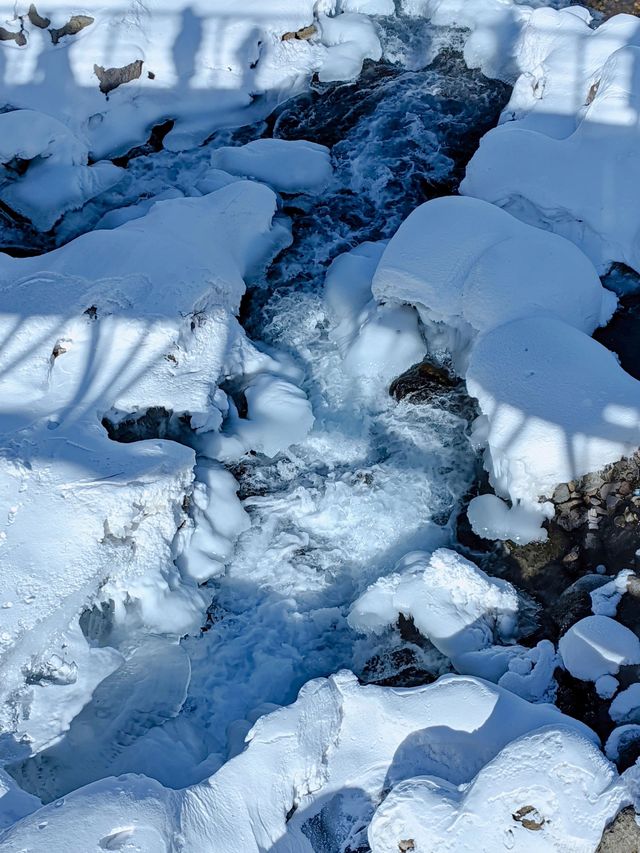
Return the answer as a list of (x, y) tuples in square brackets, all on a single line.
[(289, 166), (549, 790), (326, 759), (350, 38), (597, 646), (625, 708), (468, 267), (554, 405), (452, 602)]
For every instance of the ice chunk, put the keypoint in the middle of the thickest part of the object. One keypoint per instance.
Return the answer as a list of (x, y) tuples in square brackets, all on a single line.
[(596, 646)]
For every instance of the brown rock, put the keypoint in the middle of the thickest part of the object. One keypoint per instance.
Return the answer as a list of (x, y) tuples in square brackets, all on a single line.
[(36, 19), (7, 35), (111, 78), (73, 26), (621, 836), (421, 382), (304, 33)]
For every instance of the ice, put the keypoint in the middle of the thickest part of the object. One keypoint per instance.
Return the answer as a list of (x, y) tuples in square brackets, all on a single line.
[(549, 790), (287, 166), (323, 762), (450, 600), (597, 646)]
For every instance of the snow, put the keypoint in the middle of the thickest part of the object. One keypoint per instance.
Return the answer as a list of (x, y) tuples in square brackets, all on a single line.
[(330, 755), (493, 518), (350, 38), (606, 598), (564, 156), (287, 166), (607, 686), (625, 708), (597, 646), (451, 601), (549, 790)]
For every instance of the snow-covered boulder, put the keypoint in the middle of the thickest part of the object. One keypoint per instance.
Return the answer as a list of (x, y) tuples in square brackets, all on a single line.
[(289, 166), (597, 646), (468, 267), (549, 790), (554, 405), (325, 761), (452, 602), (565, 157)]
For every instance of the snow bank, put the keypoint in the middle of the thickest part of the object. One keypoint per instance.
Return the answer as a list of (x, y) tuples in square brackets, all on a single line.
[(451, 601), (324, 762), (549, 790), (287, 166), (597, 646), (132, 324), (565, 155)]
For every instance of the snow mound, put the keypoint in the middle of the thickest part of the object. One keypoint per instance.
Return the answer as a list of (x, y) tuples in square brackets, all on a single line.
[(350, 38), (467, 265), (555, 405), (565, 156), (323, 764), (625, 708), (597, 646), (289, 166), (549, 790), (451, 601)]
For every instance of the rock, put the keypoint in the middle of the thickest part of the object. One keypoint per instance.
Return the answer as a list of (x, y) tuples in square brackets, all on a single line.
[(73, 26), (621, 836), (111, 78), (36, 19), (19, 38), (421, 382), (575, 602), (304, 33), (561, 494)]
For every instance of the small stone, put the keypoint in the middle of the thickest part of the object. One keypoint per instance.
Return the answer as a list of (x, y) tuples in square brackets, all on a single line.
[(37, 19), (406, 845), (561, 494), (573, 555), (625, 489), (7, 35), (73, 26)]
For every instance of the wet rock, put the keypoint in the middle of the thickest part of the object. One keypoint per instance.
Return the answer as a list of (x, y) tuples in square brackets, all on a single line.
[(421, 382), (575, 602), (579, 699), (37, 19), (621, 836), (111, 78), (538, 567), (7, 35), (400, 667), (303, 33), (73, 26)]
